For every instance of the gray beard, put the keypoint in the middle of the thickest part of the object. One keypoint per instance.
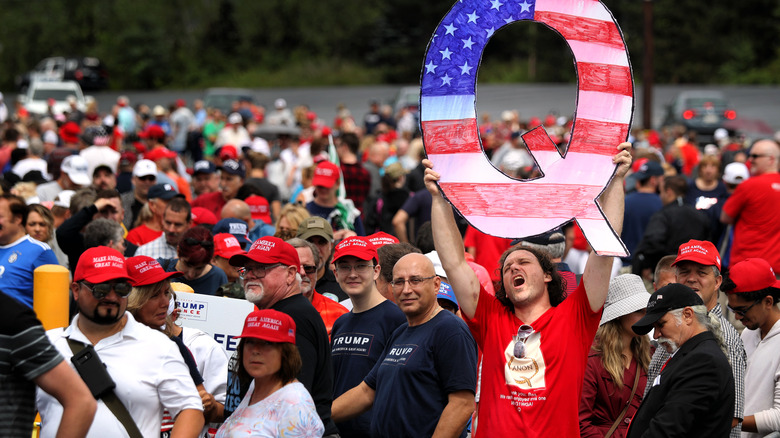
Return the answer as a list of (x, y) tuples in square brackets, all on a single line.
[(672, 345)]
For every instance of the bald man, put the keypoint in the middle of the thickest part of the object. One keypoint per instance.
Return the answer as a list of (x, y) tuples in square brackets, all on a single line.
[(238, 209), (425, 380), (754, 208)]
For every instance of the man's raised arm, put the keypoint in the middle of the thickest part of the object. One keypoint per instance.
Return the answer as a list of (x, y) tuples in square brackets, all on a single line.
[(449, 246), (612, 202)]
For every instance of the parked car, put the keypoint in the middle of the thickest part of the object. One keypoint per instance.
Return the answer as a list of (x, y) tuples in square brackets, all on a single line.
[(407, 97), (700, 111), (89, 72), (41, 93), (223, 98)]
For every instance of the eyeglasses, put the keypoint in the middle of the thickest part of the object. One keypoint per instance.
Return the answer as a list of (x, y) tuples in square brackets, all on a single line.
[(398, 283), (754, 156), (523, 333), (101, 290), (743, 310), (259, 271), (309, 269), (147, 178), (204, 243), (360, 269)]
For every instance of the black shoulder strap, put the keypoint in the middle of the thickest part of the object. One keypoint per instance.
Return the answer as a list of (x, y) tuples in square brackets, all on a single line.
[(111, 401)]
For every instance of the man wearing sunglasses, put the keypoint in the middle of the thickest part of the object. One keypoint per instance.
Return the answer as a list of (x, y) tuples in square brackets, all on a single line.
[(753, 292), (424, 382), (145, 365), (534, 389), (698, 266), (271, 277), (753, 208)]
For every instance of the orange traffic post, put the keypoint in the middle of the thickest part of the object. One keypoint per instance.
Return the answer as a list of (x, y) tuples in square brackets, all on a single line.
[(51, 285)]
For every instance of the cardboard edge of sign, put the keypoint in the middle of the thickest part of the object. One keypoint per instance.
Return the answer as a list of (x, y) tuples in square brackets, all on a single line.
[(616, 247)]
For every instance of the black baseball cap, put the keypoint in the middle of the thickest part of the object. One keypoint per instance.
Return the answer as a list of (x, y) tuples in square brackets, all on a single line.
[(163, 191), (204, 166), (670, 297)]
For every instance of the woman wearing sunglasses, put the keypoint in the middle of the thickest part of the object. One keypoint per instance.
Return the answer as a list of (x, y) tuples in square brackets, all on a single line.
[(151, 303), (616, 373), (276, 404), (196, 251)]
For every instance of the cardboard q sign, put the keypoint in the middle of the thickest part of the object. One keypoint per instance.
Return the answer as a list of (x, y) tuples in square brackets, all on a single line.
[(490, 200)]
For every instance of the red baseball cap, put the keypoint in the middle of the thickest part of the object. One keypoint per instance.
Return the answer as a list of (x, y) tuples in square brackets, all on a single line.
[(325, 175), (161, 152), (355, 246), (201, 215), (226, 245), (145, 270), (101, 264), (153, 131), (699, 251), (269, 325), (381, 239), (228, 152), (259, 208), (268, 250), (69, 132), (752, 275)]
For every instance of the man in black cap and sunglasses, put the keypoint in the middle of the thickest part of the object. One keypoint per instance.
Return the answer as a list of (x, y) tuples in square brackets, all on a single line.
[(146, 367)]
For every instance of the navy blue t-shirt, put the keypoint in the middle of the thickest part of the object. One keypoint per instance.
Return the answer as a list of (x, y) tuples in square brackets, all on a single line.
[(639, 208), (358, 340), (418, 370)]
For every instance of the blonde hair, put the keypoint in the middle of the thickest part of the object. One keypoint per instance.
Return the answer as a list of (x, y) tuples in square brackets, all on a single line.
[(609, 343), (140, 295)]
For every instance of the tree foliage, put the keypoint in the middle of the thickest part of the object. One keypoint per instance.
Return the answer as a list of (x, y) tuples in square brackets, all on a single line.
[(182, 43)]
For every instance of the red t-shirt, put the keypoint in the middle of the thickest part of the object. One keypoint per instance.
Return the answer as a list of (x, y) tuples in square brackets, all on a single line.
[(538, 395), (755, 206), (489, 250), (210, 201), (142, 234)]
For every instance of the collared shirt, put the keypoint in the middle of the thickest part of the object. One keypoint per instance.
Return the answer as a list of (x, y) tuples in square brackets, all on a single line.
[(149, 373), (157, 249), (737, 359)]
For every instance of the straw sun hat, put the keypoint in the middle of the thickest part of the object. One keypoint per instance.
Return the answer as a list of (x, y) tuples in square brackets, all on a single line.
[(627, 294)]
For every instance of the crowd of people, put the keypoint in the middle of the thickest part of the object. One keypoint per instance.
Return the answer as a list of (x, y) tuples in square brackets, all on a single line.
[(379, 311)]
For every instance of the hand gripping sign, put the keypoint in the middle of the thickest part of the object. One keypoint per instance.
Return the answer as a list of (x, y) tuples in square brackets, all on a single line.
[(570, 184)]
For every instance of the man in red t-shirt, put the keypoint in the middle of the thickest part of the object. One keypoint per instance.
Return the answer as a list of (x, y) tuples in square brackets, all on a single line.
[(231, 179), (534, 343), (754, 208), (158, 197)]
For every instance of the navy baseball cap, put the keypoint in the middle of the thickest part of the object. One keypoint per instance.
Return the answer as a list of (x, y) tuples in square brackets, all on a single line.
[(236, 227), (234, 167), (204, 166), (163, 191)]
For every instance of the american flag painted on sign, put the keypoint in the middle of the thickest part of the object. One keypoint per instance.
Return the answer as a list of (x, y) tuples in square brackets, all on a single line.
[(491, 201)]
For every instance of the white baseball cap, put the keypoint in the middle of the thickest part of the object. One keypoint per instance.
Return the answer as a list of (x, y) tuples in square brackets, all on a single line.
[(144, 168), (77, 169), (234, 118), (735, 173)]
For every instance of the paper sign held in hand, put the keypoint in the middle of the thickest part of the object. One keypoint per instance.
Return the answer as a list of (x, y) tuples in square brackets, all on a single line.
[(491, 201)]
